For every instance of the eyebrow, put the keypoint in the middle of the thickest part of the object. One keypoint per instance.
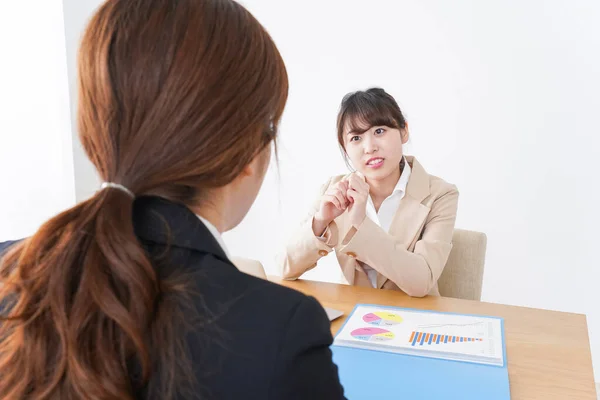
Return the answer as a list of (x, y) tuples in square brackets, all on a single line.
[(360, 132), (357, 131)]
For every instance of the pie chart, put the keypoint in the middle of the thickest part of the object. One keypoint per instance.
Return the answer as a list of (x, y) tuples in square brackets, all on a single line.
[(372, 334), (382, 318)]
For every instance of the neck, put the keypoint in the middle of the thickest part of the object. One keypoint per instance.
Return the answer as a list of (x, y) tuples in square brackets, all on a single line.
[(382, 188), (213, 210), (213, 217)]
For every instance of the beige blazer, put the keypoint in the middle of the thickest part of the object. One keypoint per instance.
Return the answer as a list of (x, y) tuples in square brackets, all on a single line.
[(411, 257)]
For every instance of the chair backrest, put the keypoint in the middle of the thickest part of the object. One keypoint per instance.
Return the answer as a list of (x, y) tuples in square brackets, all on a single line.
[(249, 266), (462, 277)]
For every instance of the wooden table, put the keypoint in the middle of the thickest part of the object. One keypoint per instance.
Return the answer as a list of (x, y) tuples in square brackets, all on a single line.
[(548, 352)]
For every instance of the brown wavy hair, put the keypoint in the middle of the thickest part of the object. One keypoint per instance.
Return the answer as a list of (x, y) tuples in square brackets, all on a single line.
[(175, 97)]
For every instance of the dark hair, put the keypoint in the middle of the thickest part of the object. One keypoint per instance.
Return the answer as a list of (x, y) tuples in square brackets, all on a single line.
[(175, 97), (362, 110)]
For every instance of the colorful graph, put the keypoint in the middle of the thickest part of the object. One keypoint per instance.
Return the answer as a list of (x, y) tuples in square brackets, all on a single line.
[(426, 338), (382, 318), (372, 334)]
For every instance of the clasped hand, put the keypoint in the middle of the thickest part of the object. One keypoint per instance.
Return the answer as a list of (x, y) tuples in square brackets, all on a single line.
[(350, 194)]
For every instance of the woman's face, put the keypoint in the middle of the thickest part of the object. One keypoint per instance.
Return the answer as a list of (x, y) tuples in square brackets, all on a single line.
[(377, 152)]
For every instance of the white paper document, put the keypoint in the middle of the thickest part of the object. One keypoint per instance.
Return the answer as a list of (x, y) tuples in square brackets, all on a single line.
[(423, 333)]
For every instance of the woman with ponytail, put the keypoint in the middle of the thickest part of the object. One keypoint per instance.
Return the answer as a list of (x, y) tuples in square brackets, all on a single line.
[(130, 294)]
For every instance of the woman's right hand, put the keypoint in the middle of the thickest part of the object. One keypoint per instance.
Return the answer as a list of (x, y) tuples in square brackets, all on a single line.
[(333, 204)]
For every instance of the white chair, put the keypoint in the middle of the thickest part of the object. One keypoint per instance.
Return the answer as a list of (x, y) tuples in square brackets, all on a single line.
[(249, 266), (462, 277)]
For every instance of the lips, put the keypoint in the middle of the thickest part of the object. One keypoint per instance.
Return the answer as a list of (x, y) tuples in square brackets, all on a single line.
[(375, 162)]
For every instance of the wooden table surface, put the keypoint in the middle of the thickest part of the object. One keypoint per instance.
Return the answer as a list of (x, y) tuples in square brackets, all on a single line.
[(548, 352)]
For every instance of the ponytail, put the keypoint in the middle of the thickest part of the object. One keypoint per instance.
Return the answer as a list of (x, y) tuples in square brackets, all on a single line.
[(78, 298)]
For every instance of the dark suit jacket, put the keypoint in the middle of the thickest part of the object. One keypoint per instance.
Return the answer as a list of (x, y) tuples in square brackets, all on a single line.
[(5, 245), (262, 341)]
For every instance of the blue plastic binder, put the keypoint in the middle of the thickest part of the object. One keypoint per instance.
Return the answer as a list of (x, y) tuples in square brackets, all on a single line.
[(380, 375)]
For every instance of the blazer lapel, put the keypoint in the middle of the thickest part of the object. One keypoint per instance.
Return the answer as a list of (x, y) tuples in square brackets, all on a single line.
[(411, 213)]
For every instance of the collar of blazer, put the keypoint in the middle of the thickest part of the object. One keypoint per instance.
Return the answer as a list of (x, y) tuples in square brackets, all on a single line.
[(418, 185), (171, 224)]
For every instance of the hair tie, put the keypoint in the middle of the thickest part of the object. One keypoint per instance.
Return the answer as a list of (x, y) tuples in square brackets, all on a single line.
[(117, 186)]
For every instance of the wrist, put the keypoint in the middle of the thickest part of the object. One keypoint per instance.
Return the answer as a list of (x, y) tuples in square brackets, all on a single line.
[(357, 219), (319, 224)]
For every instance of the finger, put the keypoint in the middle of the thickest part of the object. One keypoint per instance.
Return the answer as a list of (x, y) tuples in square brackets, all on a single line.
[(332, 191), (342, 199), (343, 186), (352, 182), (349, 196), (339, 191), (359, 179), (336, 194), (342, 194), (352, 194), (338, 203), (333, 200), (361, 185), (357, 184), (364, 188), (356, 195)]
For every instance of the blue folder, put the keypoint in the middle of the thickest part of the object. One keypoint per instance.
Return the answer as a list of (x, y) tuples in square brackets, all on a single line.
[(380, 375)]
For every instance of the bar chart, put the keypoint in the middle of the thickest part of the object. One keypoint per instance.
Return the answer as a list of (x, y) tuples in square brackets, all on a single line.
[(426, 338)]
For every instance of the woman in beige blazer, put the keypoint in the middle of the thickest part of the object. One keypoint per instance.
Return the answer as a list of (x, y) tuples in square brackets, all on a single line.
[(389, 222)]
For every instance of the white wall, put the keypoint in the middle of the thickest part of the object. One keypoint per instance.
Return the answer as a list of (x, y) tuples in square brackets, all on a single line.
[(502, 100), (76, 15), (36, 159)]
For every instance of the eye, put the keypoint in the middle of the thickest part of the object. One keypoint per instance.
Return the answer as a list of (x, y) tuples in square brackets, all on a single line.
[(379, 131), (354, 138)]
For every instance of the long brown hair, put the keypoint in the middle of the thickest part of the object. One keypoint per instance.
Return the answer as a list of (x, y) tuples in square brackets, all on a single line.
[(175, 97)]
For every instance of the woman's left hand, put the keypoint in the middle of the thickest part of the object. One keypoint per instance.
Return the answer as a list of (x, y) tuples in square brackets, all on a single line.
[(358, 193)]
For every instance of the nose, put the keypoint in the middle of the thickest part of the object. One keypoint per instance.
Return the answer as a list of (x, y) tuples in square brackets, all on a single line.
[(369, 144)]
